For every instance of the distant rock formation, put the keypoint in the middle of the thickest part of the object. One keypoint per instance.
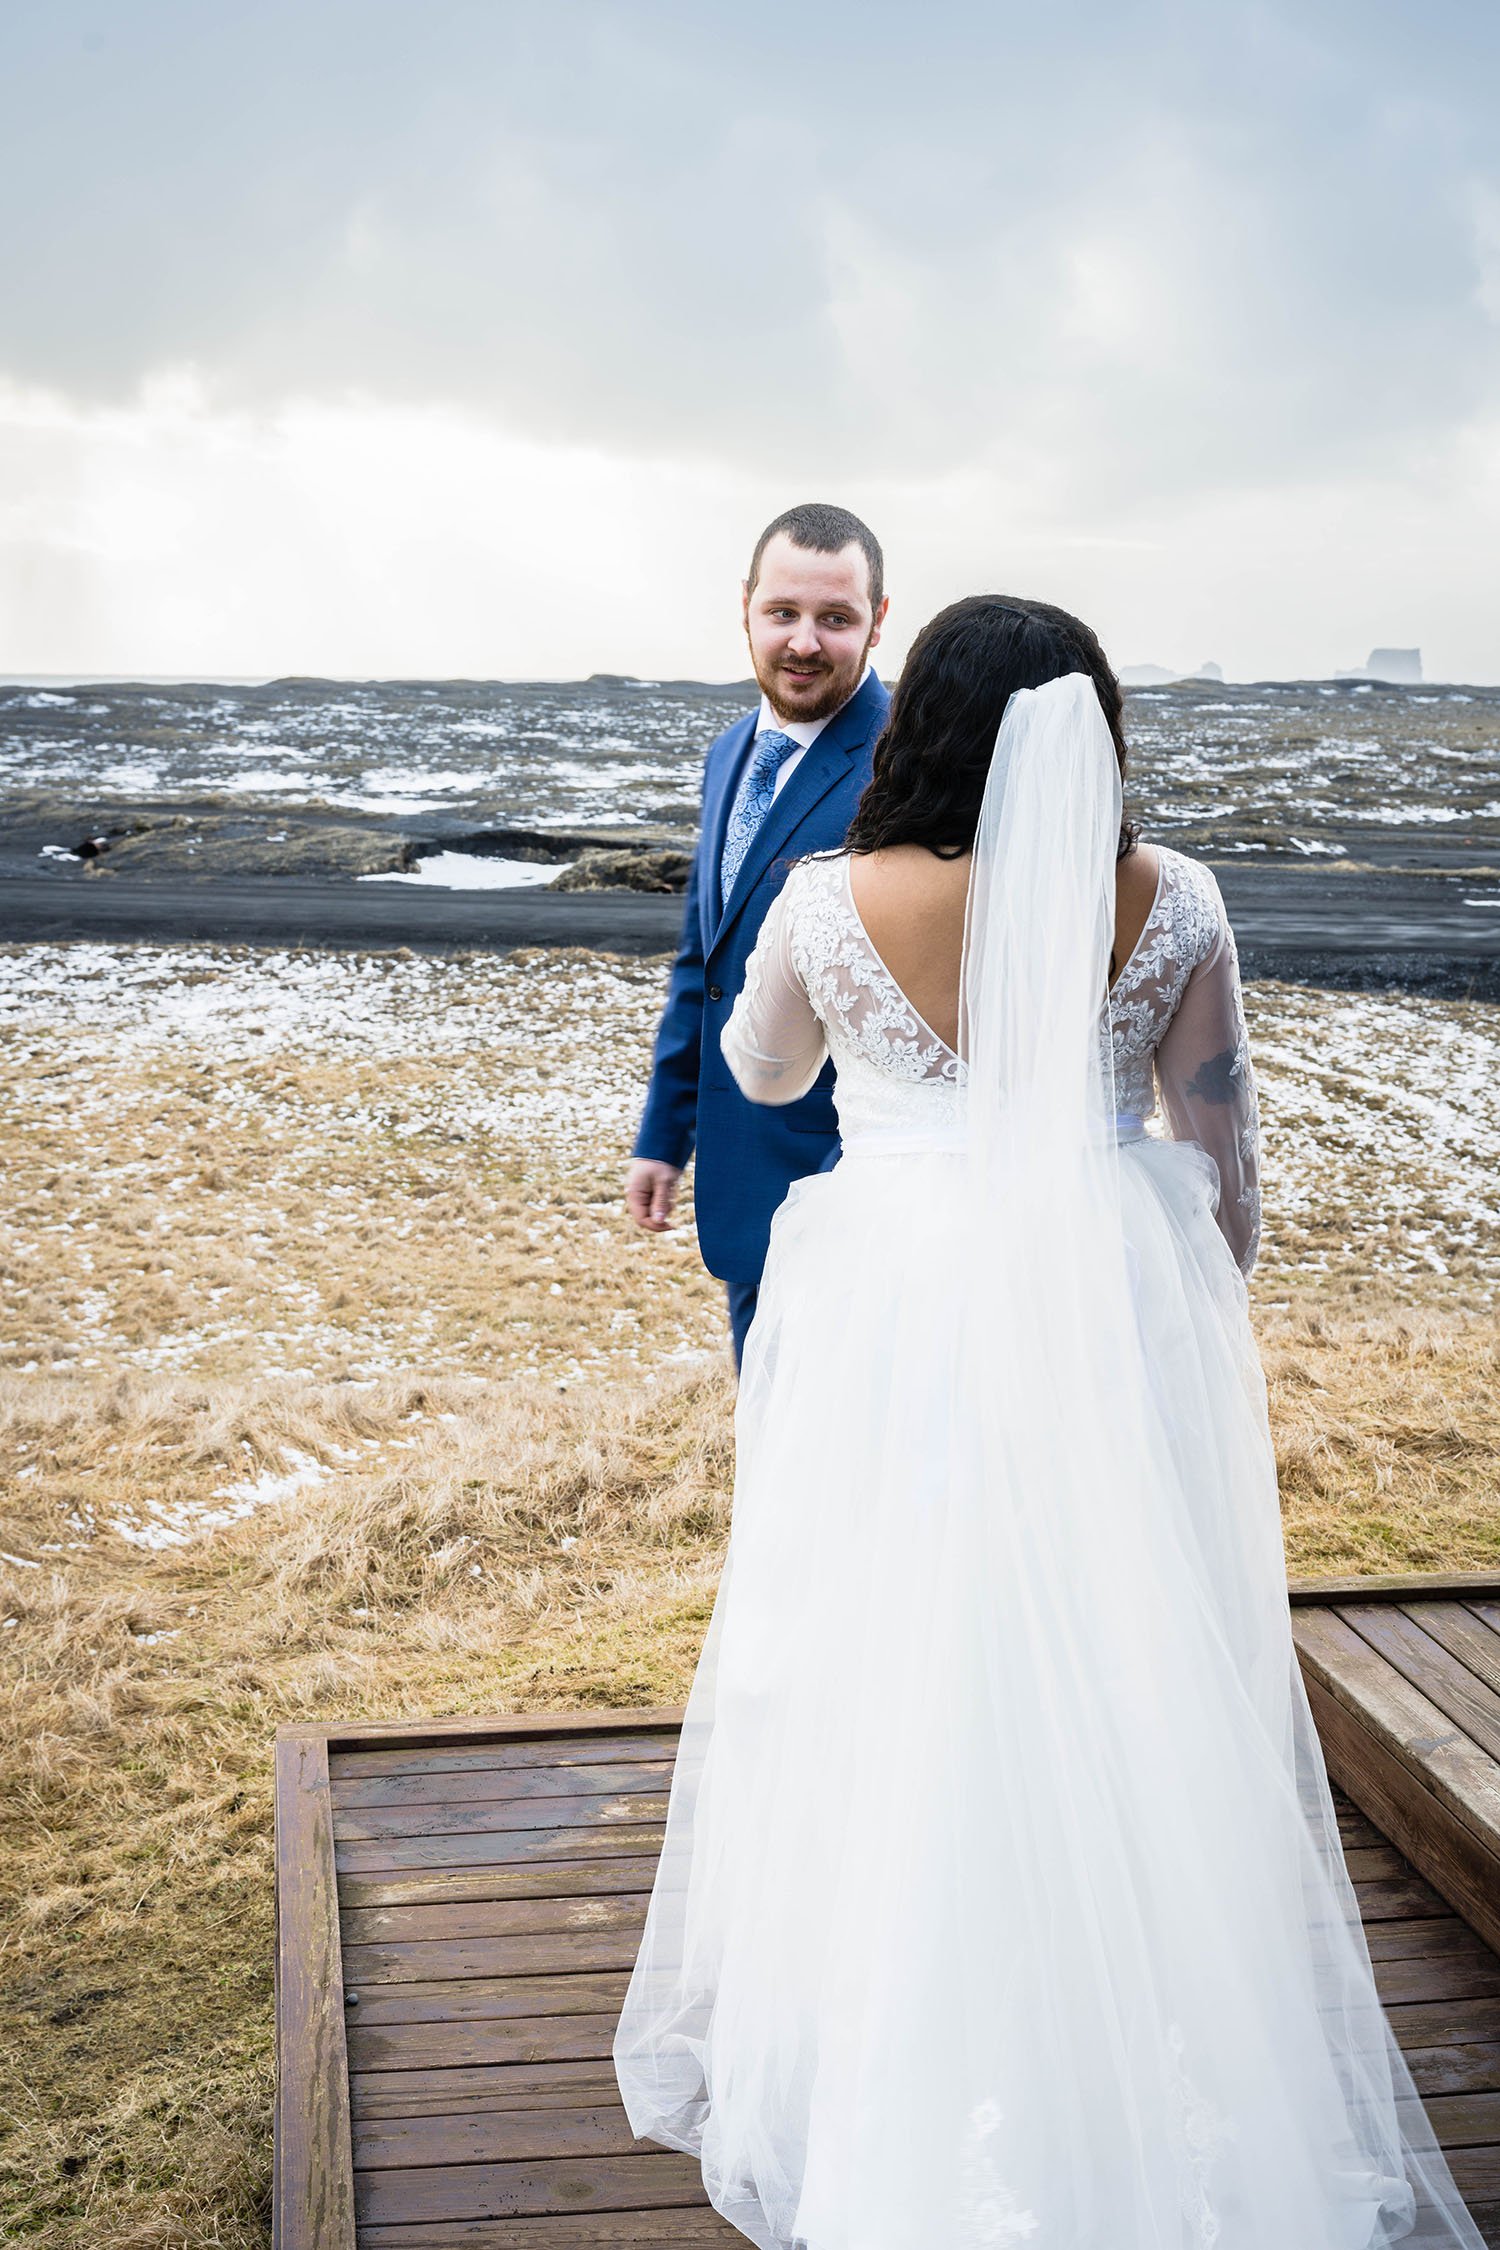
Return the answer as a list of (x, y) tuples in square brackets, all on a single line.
[(1401, 667), (626, 871), (1161, 675)]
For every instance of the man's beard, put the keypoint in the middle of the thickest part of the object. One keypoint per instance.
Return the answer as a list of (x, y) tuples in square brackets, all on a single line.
[(838, 686)]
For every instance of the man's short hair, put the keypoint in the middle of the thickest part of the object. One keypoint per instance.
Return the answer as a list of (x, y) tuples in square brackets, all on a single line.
[(825, 531)]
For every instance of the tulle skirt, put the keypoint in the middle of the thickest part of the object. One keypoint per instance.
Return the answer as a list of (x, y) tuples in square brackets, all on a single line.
[(1002, 1899)]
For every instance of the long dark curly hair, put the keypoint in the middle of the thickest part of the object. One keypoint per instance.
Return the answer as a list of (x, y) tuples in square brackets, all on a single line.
[(933, 756)]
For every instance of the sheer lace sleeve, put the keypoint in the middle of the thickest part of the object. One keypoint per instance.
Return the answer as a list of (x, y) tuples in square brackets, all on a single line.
[(1208, 1087), (773, 1041)]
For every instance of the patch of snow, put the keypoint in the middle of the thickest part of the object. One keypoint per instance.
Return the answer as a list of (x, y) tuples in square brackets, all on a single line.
[(266, 781), (127, 779), (471, 871), (174, 1524)]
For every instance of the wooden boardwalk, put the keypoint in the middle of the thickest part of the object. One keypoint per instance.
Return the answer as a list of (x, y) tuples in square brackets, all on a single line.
[(459, 1905)]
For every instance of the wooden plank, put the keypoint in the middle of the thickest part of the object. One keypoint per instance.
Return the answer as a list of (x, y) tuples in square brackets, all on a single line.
[(1429, 1585), (1406, 1899), (1410, 1725), (452, 2093), (1465, 2120), (491, 1918), (1458, 2023), (1435, 2232), (474, 1999), (1445, 1679), (1422, 1782), (488, 1847), (495, 1815), (500, 1754), (650, 1777), (521, 2039), (493, 2191), (1476, 2171), (410, 1734), (598, 2092), (1369, 1863), (1356, 1833), (689, 2228), (435, 1960), (1472, 2069), (564, 1878), (1465, 1635), (1442, 1979), (511, 2136), (313, 2178), (1443, 1935), (1460, 1868)]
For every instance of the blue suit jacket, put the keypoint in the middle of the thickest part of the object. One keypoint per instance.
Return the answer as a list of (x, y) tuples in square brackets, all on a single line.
[(748, 1153)]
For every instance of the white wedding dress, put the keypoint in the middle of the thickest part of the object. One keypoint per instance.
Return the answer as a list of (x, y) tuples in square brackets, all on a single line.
[(1002, 1898)]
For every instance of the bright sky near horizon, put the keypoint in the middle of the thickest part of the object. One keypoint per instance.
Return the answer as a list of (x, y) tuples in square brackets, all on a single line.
[(356, 337)]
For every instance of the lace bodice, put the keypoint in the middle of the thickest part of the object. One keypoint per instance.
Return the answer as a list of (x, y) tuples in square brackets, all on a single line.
[(815, 987)]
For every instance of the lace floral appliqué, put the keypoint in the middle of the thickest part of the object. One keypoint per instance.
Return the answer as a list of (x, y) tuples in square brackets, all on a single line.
[(1182, 927), (1201, 2133), (990, 2212)]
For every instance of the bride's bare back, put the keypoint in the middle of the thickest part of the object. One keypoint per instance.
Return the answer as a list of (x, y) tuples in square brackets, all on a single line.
[(912, 906)]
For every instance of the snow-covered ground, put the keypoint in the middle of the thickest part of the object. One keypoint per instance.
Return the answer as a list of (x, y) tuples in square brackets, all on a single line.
[(333, 1167), (236, 1160), (559, 1042)]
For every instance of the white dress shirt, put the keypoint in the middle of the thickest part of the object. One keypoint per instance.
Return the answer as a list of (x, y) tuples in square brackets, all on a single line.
[(803, 731)]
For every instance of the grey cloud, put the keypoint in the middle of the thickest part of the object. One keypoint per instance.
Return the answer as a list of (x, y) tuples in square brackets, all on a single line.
[(1124, 249)]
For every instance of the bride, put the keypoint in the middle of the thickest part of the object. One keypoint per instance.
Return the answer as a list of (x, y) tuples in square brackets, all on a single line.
[(1002, 1899)]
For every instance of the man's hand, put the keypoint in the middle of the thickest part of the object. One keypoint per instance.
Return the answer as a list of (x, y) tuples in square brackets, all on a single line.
[(650, 1192)]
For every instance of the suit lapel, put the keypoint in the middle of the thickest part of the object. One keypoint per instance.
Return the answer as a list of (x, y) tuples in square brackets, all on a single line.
[(816, 772)]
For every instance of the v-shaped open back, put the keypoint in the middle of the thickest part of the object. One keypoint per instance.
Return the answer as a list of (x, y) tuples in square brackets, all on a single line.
[(1142, 940), (923, 1027)]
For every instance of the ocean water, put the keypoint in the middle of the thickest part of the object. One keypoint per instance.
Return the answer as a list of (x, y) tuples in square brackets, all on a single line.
[(1288, 768)]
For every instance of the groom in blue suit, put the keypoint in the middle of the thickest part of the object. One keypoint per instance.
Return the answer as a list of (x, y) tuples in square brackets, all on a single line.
[(781, 782)]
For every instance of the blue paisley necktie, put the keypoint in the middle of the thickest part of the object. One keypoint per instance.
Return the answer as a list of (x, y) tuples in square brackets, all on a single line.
[(752, 801)]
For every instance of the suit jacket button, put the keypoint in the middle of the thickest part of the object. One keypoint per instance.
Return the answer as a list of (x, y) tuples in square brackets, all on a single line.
[(714, 992)]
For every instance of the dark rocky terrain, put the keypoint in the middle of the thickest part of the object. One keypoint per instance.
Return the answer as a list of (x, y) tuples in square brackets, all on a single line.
[(1355, 829)]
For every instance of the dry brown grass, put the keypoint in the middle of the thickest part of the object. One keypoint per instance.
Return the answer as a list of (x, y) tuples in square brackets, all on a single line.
[(537, 1549), (519, 1422), (1387, 1426)]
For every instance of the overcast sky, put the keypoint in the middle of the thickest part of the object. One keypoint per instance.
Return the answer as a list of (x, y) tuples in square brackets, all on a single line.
[(456, 336)]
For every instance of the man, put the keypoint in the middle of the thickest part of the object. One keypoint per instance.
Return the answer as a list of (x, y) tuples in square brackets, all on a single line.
[(778, 784)]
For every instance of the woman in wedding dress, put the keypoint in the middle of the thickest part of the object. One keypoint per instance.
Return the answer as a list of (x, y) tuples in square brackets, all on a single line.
[(1002, 1898)]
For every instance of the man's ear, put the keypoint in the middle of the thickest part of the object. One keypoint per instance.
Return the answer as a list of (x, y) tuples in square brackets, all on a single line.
[(745, 603), (885, 604)]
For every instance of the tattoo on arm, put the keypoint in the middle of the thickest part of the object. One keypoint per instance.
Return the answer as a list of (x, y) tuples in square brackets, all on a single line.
[(1219, 1080)]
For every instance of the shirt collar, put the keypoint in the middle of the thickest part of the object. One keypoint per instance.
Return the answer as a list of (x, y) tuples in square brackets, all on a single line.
[(802, 731)]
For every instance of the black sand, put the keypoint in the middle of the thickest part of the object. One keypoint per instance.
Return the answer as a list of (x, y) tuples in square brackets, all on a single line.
[(1437, 933)]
